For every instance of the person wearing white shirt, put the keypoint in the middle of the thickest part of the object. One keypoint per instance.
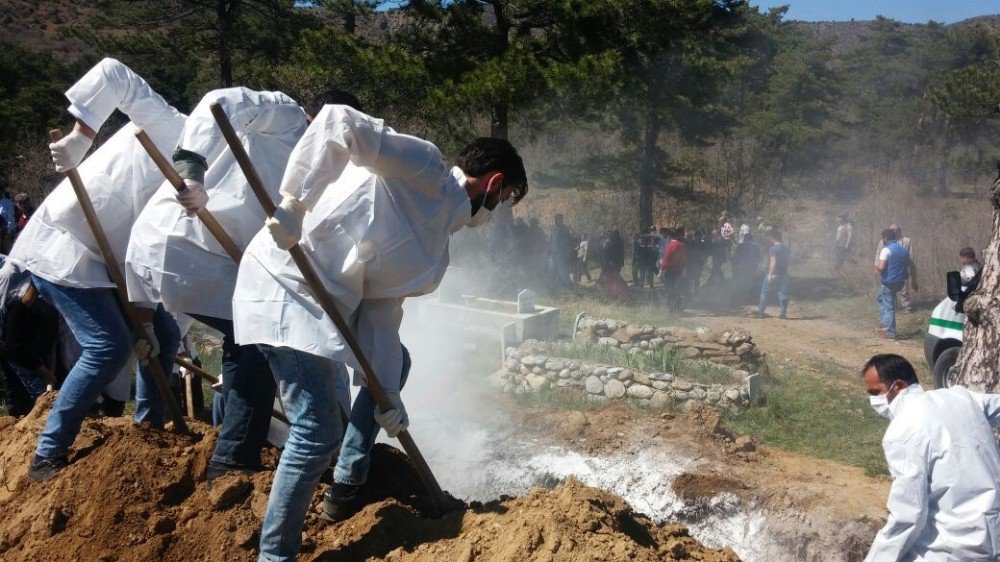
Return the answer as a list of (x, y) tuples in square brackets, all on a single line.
[(59, 249), (944, 503), (174, 260), (374, 209)]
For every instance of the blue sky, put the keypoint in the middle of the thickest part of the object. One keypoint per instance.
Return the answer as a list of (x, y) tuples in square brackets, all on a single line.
[(910, 11)]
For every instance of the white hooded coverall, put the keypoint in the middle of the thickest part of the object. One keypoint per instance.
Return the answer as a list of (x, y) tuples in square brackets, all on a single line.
[(172, 258), (944, 504), (383, 207), (120, 177)]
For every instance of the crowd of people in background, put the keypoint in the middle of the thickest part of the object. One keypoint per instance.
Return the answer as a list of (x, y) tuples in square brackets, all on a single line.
[(733, 265), (14, 215)]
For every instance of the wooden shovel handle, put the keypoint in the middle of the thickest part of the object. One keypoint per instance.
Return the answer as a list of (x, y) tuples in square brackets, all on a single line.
[(118, 278), (325, 301)]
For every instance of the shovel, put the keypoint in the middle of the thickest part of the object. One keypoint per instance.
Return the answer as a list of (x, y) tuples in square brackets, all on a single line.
[(326, 303), (118, 278)]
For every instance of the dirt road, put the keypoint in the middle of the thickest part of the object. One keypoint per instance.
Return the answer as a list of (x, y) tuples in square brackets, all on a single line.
[(798, 339)]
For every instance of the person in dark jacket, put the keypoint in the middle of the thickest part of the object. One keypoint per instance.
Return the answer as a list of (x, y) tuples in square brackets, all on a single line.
[(672, 265), (30, 332)]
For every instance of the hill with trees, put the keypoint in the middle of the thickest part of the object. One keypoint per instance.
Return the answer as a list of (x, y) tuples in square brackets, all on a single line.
[(708, 100)]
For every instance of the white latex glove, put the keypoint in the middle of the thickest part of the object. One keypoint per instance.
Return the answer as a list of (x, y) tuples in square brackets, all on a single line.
[(286, 224), (193, 198), (70, 150), (395, 420), (146, 347)]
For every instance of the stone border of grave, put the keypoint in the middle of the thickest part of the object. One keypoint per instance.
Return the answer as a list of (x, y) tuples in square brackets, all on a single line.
[(734, 348), (528, 368)]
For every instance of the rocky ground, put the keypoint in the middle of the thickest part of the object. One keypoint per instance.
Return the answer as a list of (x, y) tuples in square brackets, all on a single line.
[(132, 493)]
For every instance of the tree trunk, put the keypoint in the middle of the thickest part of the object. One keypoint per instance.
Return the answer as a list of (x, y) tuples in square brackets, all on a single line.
[(227, 12), (499, 121), (943, 166), (978, 366), (647, 164)]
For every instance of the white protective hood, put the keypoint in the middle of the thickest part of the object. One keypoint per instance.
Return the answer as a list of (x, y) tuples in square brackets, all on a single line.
[(57, 244), (944, 503), (382, 208), (172, 258)]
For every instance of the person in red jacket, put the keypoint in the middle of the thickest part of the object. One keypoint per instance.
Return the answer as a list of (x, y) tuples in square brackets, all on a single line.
[(672, 264)]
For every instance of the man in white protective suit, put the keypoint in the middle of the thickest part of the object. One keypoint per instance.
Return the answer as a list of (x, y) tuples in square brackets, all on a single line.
[(944, 503), (59, 249), (174, 259), (374, 210)]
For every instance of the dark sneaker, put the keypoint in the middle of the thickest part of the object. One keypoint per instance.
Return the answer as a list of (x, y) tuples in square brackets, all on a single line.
[(44, 468), (342, 501), (756, 314), (215, 470)]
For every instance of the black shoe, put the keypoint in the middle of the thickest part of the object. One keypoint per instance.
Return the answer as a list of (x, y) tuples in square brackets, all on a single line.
[(215, 470), (44, 468), (342, 501)]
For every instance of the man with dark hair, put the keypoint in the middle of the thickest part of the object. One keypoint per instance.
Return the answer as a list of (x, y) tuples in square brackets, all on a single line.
[(905, 296), (969, 265), (561, 251), (29, 332), (746, 269), (893, 267), (698, 251), (671, 266), (612, 260), (844, 241), (330, 96), (23, 209), (944, 503), (58, 248), (776, 278), (173, 259), (649, 257), (374, 209)]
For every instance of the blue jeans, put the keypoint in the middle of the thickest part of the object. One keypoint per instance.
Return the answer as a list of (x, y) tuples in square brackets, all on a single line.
[(779, 284), (886, 300), (247, 396), (97, 323), (30, 379), (355, 453), (312, 390), (149, 407), (218, 408)]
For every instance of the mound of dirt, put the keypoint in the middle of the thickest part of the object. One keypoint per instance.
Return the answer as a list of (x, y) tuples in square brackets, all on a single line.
[(132, 493)]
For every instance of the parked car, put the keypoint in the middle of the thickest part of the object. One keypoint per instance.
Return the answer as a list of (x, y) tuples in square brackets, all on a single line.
[(943, 341)]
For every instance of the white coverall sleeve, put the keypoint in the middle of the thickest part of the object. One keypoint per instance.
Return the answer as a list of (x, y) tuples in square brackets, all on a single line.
[(340, 135), (990, 403), (111, 85), (377, 330), (908, 499)]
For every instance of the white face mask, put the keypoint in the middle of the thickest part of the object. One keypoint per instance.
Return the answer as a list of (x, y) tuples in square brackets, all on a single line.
[(880, 404)]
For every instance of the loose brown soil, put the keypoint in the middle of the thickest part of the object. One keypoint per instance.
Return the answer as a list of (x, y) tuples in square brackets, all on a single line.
[(133, 493)]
